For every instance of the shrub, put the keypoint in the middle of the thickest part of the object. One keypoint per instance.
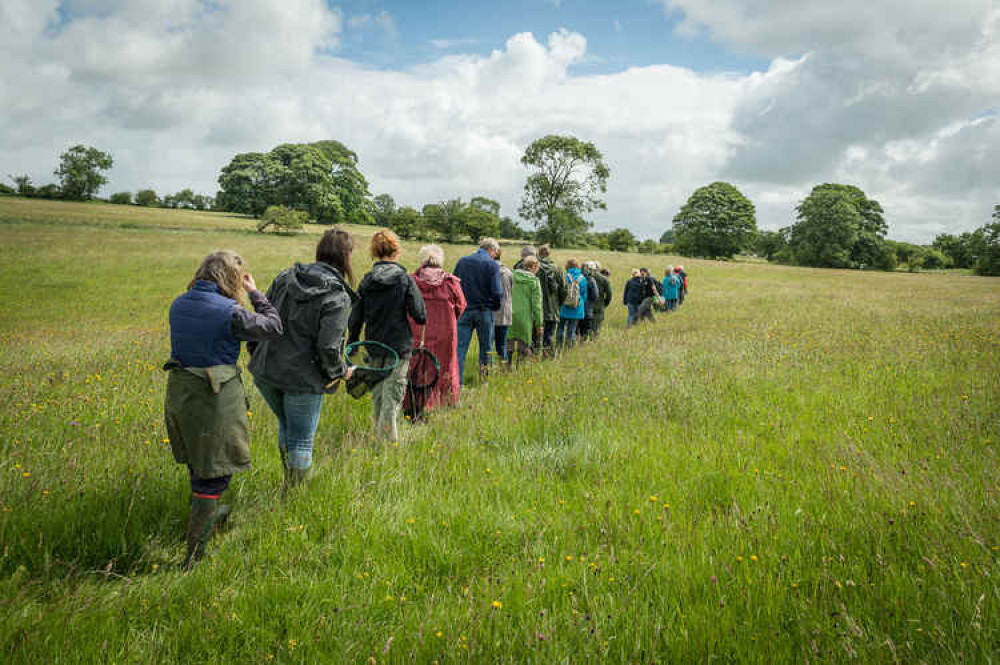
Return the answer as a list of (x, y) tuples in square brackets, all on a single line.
[(282, 218)]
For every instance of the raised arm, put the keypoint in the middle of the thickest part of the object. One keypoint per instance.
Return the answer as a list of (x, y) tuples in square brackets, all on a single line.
[(262, 324)]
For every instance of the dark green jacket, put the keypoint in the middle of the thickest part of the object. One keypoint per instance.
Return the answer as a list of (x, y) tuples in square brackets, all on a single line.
[(206, 415), (553, 288), (604, 286)]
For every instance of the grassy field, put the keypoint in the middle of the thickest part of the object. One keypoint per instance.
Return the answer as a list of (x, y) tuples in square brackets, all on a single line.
[(799, 465)]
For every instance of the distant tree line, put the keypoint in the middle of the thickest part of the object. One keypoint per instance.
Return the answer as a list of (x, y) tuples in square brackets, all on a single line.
[(836, 226)]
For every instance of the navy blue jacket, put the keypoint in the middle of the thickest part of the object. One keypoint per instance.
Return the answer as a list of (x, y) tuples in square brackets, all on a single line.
[(206, 327), (633, 291), (480, 277)]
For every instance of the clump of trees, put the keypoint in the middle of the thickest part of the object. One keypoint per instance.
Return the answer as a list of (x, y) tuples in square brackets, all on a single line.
[(837, 226), (321, 179), (453, 220), (717, 221)]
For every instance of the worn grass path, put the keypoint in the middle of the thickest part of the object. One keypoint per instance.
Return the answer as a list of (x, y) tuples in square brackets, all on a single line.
[(799, 465)]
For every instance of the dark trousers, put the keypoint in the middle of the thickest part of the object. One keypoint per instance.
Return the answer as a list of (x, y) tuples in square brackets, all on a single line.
[(208, 488), (500, 341), (549, 332)]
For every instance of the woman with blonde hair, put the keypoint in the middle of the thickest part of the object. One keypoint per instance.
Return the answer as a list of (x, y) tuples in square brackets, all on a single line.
[(387, 295), (444, 302), (205, 407)]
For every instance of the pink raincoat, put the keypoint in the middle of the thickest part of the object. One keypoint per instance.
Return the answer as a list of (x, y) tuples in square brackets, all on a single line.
[(443, 298)]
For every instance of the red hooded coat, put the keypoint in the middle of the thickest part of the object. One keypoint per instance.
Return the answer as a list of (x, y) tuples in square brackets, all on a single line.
[(445, 302)]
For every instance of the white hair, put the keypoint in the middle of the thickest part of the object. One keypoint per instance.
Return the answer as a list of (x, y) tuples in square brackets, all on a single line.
[(489, 244), (432, 255)]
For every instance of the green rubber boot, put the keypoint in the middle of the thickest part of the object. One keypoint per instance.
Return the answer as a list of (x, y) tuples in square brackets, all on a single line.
[(200, 523)]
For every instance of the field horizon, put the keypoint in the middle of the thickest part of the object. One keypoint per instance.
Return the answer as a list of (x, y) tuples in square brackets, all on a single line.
[(798, 465)]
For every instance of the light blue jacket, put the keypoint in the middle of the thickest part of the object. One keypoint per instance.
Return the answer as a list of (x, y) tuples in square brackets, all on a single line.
[(671, 284), (573, 275)]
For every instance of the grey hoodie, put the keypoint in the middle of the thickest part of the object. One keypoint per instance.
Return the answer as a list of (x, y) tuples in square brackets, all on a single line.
[(314, 303)]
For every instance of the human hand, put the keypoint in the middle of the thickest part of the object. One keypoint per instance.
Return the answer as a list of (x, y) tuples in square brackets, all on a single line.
[(248, 282), (349, 373)]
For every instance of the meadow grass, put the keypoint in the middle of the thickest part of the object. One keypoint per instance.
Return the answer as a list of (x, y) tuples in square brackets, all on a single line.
[(799, 465)]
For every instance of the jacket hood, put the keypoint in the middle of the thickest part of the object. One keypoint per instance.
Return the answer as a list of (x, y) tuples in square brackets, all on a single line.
[(574, 271), (522, 275), (385, 275), (431, 275), (311, 280)]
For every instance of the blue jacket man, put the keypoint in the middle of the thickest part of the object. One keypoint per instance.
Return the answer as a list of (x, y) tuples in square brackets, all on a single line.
[(480, 276)]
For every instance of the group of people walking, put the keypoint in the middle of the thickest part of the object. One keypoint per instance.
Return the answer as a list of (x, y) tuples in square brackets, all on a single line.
[(296, 338), (643, 294)]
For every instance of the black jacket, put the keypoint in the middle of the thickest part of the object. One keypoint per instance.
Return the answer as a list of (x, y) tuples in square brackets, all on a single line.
[(313, 301), (604, 286), (633, 292), (650, 287), (387, 296)]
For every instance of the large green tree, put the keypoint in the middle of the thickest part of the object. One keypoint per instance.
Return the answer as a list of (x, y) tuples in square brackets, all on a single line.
[(80, 171), (568, 179), (838, 226), (716, 222), (321, 178)]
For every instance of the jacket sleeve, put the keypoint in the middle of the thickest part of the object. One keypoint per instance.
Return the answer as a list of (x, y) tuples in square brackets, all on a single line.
[(496, 287), (536, 305), (333, 318), (583, 288), (606, 292), (457, 297), (415, 301), (262, 324), (357, 318), (561, 281)]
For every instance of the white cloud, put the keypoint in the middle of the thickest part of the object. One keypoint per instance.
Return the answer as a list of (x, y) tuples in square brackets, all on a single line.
[(175, 88)]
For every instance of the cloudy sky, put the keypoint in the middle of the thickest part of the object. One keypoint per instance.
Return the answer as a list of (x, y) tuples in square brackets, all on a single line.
[(439, 98)]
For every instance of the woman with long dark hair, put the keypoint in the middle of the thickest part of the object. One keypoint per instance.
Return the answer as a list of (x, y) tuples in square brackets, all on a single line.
[(294, 372)]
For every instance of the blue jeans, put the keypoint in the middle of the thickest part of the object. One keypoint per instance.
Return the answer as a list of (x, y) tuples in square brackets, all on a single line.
[(567, 329), (633, 314), (500, 337), (480, 320), (298, 417)]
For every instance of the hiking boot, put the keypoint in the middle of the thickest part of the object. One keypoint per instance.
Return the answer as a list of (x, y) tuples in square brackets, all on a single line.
[(199, 530)]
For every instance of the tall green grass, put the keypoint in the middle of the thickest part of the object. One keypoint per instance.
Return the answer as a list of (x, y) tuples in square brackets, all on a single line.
[(799, 465)]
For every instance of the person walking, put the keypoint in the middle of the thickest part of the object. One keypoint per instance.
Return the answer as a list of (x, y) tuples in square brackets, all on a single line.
[(386, 297), (572, 310), (671, 287), (294, 371), (632, 297), (205, 407), (444, 302), (527, 320), (593, 296), (483, 292), (600, 306), (502, 320), (684, 286), (553, 294), (650, 289)]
